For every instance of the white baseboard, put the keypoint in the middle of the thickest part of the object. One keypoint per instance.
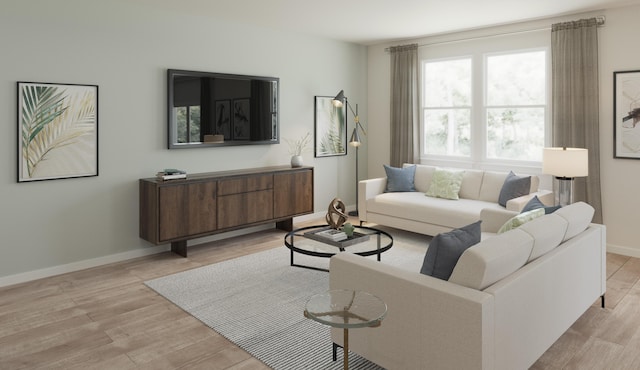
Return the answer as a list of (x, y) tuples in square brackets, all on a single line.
[(80, 265), (119, 257), (625, 251)]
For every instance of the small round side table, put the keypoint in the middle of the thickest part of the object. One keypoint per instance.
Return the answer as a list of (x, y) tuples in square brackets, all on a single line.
[(346, 309)]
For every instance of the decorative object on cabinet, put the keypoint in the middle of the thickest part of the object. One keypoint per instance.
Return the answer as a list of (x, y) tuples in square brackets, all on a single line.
[(57, 131), (210, 203), (626, 105), (330, 128), (296, 148)]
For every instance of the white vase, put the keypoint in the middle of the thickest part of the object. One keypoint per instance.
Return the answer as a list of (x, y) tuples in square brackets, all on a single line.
[(296, 161)]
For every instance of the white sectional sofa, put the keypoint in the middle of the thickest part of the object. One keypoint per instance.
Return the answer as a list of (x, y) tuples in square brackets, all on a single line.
[(416, 212), (509, 298)]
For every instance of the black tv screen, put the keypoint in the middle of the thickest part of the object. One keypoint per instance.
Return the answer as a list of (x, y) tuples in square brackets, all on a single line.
[(216, 109)]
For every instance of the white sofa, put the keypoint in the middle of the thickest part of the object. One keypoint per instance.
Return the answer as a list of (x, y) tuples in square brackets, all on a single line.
[(414, 211), (509, 298)]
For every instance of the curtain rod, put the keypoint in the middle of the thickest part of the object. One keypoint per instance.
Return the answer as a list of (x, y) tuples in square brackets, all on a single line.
[(600, 20)]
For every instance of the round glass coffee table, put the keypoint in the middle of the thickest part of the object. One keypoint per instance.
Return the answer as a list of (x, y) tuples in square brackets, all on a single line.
[(346, 309), (366, 241)]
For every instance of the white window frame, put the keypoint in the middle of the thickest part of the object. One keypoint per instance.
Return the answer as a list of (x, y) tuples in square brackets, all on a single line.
[(480, 50)]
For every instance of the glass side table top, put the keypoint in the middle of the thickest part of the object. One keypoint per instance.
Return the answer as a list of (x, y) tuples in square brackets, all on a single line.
[(346, 309)]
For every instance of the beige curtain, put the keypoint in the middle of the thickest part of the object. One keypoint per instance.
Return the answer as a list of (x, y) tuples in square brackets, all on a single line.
[(574, 53), (405, 105)]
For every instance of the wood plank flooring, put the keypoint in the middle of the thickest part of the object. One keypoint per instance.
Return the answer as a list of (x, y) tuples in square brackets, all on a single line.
[(106, 318)]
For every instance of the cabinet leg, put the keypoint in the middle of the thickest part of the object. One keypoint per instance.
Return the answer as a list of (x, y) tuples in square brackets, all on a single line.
[(286, 225), (179, 248)]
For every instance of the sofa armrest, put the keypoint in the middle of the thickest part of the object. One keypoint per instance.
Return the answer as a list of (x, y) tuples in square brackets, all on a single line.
[(429, 321), (517, 204), (493, 219), (368, 189)]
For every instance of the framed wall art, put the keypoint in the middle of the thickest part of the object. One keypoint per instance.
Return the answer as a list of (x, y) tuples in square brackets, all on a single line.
[(57, 131), (223, 118), (330, 128), (241, 119), (626, 110)]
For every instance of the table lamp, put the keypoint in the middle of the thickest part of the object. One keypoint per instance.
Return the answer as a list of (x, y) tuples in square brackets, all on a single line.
[(565, 164)]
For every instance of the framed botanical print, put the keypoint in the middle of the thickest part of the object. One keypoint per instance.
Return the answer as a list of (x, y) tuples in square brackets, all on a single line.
[(330, 128), (57, 131)]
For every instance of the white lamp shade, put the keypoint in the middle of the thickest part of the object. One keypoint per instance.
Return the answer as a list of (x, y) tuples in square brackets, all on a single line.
[(565, 162)]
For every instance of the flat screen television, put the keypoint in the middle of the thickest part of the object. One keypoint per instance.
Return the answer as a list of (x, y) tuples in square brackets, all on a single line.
[(216, 109)]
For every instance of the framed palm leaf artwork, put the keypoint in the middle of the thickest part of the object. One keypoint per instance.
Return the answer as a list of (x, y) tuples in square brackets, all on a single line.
[(57, 131), (330, 127)]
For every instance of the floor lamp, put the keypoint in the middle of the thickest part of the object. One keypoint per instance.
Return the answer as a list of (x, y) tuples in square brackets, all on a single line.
[(565, 164), (339, 101)]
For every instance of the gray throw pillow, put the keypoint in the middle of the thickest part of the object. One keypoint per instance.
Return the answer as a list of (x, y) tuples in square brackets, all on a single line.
[(400, 179), (535, 203), (446, 248), (513, 187)]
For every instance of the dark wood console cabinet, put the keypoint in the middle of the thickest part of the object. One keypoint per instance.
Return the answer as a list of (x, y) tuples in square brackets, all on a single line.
[(203, 204)]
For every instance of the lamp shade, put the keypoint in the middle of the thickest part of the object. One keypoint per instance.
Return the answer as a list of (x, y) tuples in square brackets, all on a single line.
[(338, 101), (355, 138), (565, 162)]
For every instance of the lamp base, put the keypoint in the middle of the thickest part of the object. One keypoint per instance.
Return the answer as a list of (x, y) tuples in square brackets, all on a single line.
[(565, 196)]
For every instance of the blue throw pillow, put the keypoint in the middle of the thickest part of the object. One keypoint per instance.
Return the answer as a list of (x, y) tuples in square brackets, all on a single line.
[(445, 250), (513, 187), (535, 203), (400, 179)]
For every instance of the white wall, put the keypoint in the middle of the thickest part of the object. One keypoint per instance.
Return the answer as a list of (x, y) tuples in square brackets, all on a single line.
[(54, 226), (620, 177)]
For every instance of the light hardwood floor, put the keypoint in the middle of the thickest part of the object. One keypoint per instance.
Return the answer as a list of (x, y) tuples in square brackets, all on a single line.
[(106, 318)]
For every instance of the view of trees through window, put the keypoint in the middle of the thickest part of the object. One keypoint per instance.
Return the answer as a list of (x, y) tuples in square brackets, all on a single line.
[(509, 125), (188, 124), (447, 107)]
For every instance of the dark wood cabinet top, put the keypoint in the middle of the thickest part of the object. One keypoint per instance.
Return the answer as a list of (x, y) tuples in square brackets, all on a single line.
[(230, 173)]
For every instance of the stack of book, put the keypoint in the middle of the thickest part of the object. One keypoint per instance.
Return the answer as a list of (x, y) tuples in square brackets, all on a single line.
[(332, 234), (171, 174)]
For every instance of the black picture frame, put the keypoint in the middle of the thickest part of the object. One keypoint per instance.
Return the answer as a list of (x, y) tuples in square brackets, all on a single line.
[(626, 114), (57, 131), (223, 118), (241, 119), (330, 128)]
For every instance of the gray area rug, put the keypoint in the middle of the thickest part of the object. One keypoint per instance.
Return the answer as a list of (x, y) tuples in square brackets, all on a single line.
[(257, 302)]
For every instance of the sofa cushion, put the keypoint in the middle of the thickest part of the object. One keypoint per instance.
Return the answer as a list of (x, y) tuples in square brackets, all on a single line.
[(445, 250), (400, 179), (493, 259), (423, 176), (471, 182), (520, 219), (578, 216), (491, 184), (445, 184), (547, 233), (417, 207), (513, 187), (535, 203)]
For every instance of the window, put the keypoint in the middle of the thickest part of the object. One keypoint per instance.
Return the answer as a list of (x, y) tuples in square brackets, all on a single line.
[(515, 106), (486, 108), (447, 107)]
